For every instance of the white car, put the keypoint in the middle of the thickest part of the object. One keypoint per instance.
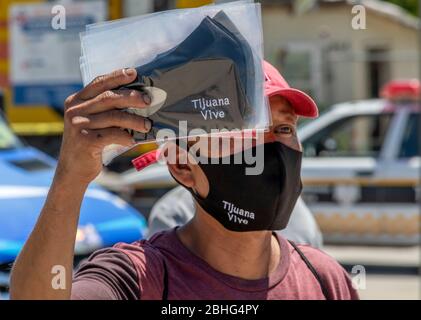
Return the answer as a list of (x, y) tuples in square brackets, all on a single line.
[(361, 172)]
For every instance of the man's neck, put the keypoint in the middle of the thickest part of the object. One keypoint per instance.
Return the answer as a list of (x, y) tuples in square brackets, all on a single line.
[(246, 255)]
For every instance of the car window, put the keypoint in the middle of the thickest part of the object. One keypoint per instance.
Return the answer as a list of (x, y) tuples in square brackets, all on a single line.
[(7, 139), (355, 136), (410, 143)]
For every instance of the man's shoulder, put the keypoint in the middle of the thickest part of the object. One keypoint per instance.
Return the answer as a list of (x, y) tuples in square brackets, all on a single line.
[(148, 260), (140, 253), (124, 271), (146, 247), (332, 274), (320, 259)]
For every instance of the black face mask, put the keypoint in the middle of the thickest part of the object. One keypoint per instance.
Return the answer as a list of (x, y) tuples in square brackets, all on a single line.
[(206, 80), (243, 202)]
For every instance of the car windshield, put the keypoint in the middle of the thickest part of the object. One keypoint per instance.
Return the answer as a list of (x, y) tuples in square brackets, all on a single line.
[(7, 139)]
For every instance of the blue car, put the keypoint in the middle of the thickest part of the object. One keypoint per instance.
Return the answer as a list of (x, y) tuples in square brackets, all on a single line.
[(25, 176)]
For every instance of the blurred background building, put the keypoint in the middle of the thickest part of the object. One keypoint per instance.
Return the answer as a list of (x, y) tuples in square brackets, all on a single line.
[(318, 50), (311, 42)]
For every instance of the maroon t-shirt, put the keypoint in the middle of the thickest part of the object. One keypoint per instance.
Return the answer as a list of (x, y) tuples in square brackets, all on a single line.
[(136, 271)]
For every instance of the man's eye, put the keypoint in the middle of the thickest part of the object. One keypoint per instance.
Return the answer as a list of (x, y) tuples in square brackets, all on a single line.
[(284, 130)]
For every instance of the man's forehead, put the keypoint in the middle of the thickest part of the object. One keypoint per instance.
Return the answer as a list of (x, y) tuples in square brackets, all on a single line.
[(280, 107), (281, 104)]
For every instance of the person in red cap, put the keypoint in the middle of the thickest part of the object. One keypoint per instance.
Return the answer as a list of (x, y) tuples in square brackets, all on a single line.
[(229, 250), (177, 206)]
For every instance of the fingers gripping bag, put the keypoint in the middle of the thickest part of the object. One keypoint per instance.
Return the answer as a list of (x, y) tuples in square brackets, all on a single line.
[(201, 67)]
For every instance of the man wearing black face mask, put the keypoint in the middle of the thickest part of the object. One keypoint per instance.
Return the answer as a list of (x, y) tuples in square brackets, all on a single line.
[(227, 251), (177, 206)]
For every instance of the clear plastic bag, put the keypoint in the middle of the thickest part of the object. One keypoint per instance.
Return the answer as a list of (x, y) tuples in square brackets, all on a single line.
[(202, 67)]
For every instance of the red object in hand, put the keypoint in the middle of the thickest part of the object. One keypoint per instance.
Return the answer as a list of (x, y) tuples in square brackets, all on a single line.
[(146, 159)]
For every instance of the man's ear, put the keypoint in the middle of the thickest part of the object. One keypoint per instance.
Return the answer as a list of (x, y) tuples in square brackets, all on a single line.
[(185, 169), (179, 166), (182, 173)]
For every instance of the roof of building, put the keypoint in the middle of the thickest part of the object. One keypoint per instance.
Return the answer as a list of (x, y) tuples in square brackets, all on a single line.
[(388, 10), (383, 8)]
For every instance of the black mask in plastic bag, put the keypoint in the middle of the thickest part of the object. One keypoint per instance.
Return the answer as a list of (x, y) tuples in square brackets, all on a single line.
[(207, 80)]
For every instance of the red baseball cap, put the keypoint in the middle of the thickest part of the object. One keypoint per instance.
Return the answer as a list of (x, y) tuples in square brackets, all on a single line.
[(275, 84)]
